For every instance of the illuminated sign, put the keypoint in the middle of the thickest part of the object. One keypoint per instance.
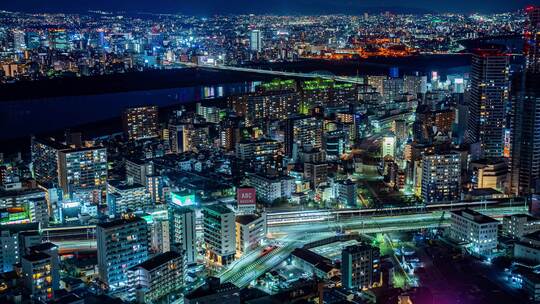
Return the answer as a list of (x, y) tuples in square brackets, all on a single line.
[(245, 196), (183, 199)]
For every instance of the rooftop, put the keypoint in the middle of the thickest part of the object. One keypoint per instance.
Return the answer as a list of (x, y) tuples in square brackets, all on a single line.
[(475, 216), (38, 256), (159, 260), (220, 209), (120, 222), (246, 219)]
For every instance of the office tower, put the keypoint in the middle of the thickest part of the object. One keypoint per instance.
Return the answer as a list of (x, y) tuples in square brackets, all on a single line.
[(377, 83), (44, 153), (360, 266), (488, 97), (479, 230), (412, 85), (121, 244), (177, 138), (182, 231), (441, 177), (345, 192), (157, 277), (32, 40), (141, 122), (137, 170), (525, 134), (19, 43), (532, 39), (51, 250), (37, 272), (219, 234), (388, 148), (250, 232), (255, 41), (302, 132), (82, 168), (393, 89), (258, 155), (58, 39), (125, 196), (213, 291)]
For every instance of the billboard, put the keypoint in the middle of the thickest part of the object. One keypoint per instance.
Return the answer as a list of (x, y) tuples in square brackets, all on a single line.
[(182, 199), (245, 196)]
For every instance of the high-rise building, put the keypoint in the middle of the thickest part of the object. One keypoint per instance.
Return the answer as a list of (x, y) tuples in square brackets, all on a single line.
[(255, 41), (488, 98), (14, 243), (19, 42), (388, 148), (82, 168), (441, 177), (532, 39), (58, 39), (275, 105), (51, 250), (182, 231), (525, 133), (302, 132), (360, 266), (141, 122), (37, 271), (157, 277), (45, 159), (219, 233), (121, 244), (137, 170)]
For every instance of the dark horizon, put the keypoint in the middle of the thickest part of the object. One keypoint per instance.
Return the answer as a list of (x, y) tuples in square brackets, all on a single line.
[(280, 7)]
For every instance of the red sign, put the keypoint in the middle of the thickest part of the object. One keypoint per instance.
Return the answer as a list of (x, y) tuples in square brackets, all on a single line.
[(245, 196)]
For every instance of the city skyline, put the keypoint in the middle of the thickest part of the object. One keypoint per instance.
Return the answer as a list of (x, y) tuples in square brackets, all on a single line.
[(386, 156), (281, 7)]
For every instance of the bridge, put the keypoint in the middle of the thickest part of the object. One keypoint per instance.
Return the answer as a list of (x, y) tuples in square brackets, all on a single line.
[(353, 80)]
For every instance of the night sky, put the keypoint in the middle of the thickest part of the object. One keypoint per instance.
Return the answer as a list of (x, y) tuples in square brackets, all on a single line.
[(209, 7)]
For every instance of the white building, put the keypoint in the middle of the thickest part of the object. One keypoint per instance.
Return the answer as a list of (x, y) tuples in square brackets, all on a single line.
[(255, 40), (219, 234), (271, 188), (388, 148), (477, 230), (518, 225), (250, 232), (182, 231), (124, 196)]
